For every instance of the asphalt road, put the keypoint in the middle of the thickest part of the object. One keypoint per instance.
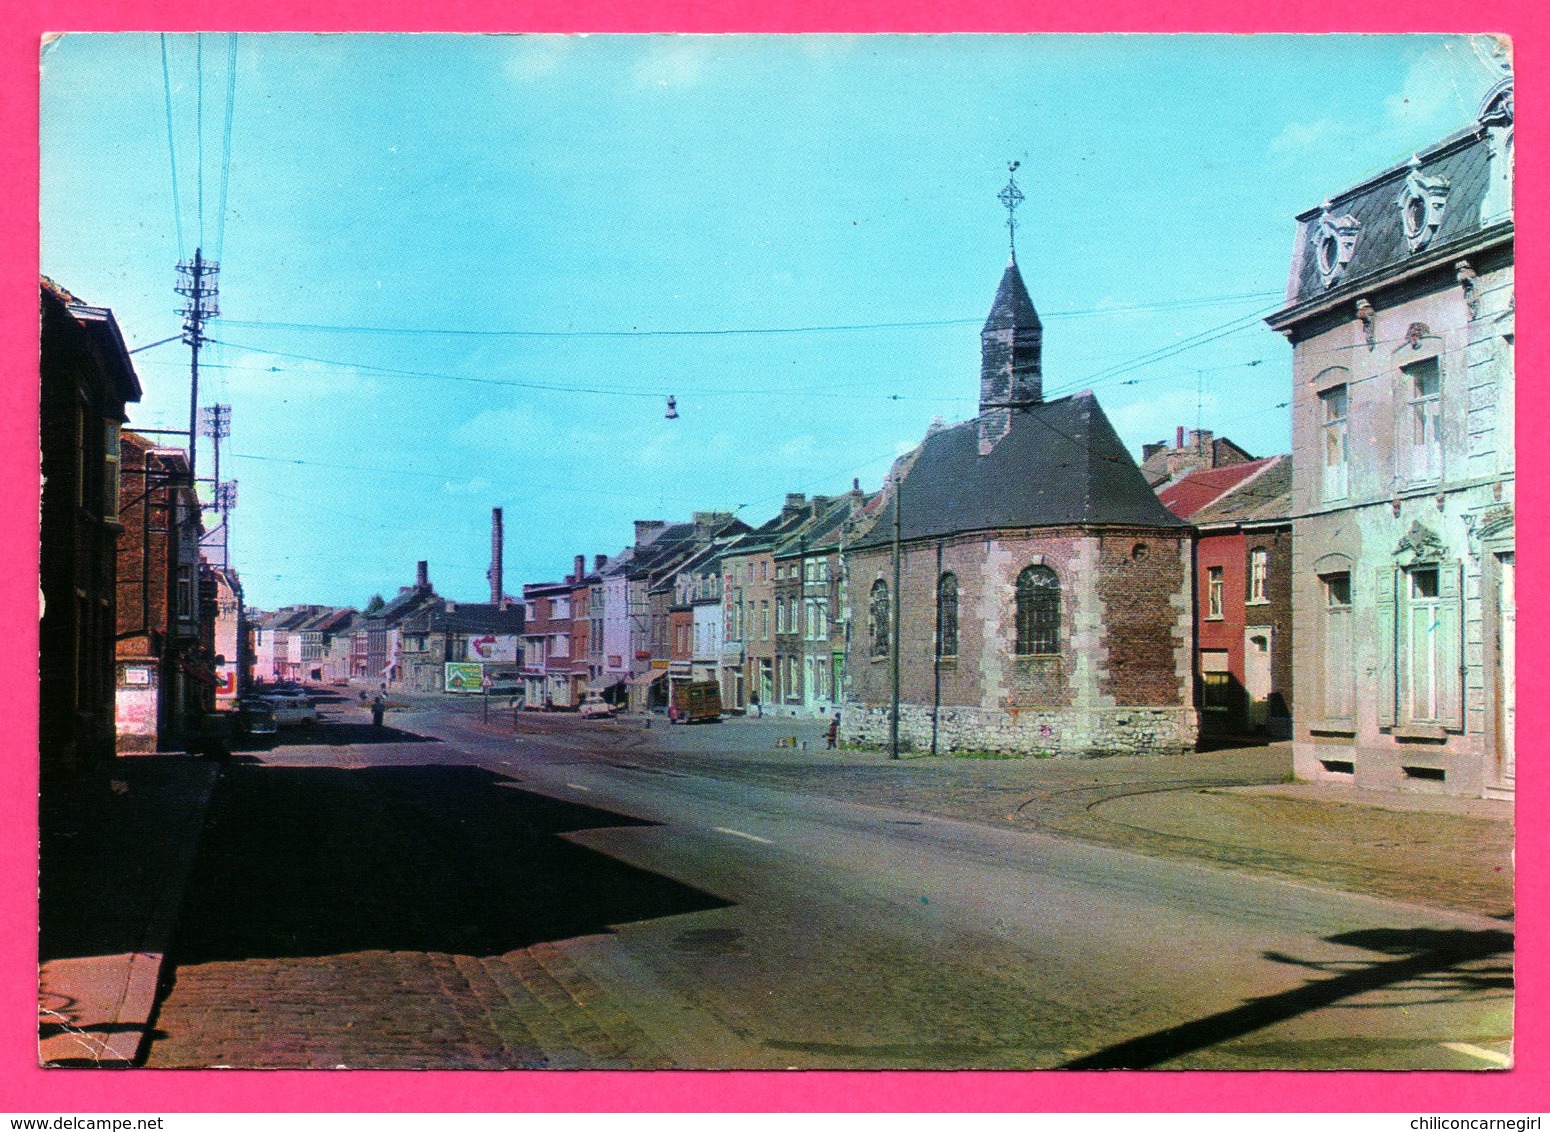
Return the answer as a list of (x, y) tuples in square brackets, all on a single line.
[(633, 915)]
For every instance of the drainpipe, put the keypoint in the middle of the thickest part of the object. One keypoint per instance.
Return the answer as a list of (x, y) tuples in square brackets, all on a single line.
[(898, 606), (936, 675)]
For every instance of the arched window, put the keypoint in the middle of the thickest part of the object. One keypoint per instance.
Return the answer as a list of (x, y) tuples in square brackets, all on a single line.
[(947, 616), (879, 614), (1038, 612)]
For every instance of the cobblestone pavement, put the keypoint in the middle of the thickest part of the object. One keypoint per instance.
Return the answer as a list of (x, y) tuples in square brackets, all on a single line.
[(1235, 808), (349, 911)]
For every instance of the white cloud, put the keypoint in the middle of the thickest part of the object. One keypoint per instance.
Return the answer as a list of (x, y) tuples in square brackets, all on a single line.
[(1301, 135), (476, 486), (506, 430), (535, 56), (674, 61)]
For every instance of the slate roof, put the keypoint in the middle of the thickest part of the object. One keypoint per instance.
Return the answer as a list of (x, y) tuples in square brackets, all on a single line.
[(1265, 497), (471, 617), (822, 530), (408, 601), (1013, 307), (1463, 158), (1061, 463)]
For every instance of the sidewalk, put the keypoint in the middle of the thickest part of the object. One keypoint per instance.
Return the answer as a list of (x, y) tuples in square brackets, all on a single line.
[(115, 853), (1236, 808)]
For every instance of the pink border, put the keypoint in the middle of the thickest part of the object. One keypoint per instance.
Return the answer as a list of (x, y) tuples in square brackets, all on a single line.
[(24, 1088)]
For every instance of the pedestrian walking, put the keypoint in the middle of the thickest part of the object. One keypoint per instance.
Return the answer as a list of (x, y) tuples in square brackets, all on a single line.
[(378, 708), (834, 732)]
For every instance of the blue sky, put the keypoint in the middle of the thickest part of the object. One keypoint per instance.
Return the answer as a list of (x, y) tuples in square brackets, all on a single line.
[(456, 270)]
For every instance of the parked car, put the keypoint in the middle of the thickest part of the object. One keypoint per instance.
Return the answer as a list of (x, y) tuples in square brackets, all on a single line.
[(292, 708), (256, 716), (596, 706)]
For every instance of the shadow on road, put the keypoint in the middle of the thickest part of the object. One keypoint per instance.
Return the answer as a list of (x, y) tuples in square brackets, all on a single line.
[(1429, 960), (338, 733), (302, 861)]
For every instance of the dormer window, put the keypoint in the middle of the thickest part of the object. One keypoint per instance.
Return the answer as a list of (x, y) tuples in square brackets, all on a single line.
[(1334, 243), (1421, 203)]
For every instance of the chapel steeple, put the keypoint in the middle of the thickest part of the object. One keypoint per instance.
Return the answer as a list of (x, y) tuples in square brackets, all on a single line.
[(1011, 344)]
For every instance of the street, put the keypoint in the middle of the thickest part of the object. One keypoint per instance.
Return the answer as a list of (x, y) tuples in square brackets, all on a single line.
[(443, 894)]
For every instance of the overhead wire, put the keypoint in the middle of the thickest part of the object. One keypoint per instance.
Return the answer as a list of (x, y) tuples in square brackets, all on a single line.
[(636, 332), (172, 150), (231, 102), (199, 125)]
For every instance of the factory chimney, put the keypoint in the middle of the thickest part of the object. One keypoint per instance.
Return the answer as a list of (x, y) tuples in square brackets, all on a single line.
[(497, 546)]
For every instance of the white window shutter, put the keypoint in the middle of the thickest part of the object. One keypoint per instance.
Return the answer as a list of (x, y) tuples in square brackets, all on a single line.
[(1450, 646)]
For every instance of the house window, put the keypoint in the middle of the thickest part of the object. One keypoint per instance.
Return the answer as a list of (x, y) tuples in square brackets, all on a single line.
[(1337, 646), (764, 620), (1426, 649), (1259, 574), (1332, 404), (1214, 589), (1215, 681), (1425, 380), (185, 592), (1038, 612), (111, 478), (947, 616), (879, 615)]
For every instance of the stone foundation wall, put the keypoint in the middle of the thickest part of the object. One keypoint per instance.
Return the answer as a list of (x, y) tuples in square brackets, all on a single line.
[(1085, 734)]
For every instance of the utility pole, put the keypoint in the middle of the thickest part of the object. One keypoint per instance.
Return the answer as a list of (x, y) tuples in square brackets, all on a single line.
[(215, 423), (196, 283)]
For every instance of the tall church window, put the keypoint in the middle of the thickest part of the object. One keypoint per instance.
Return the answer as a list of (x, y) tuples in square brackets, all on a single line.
[(878, 617), (1038, 612), (947, 616)]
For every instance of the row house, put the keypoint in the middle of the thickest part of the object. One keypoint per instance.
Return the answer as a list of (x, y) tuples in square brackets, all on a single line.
[(86, 380), (810, 626), (627, 671), (385, 642), (547, 636), (231, 643), (280, 641), (748, 586), (165, 656), (671, 620), (1401, 318), (1241, 513), (488, 634)]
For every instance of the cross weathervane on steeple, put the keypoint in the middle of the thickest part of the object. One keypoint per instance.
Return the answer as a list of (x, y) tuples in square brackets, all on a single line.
[(1011, 197)]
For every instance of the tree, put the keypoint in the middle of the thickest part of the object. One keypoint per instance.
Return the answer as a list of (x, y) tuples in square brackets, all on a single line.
[(374, 604)]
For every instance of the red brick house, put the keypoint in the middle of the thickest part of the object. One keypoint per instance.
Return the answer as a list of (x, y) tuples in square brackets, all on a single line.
[(1243, 607), (166, 676)]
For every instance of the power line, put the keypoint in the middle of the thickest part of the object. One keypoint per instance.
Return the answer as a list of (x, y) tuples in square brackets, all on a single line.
[(634, 332), (231, 102), (199, 124), (172, 152), (552, 387), (1163, 353)]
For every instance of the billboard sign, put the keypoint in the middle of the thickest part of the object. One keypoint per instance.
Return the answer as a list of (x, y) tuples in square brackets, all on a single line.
[(464, 677)]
